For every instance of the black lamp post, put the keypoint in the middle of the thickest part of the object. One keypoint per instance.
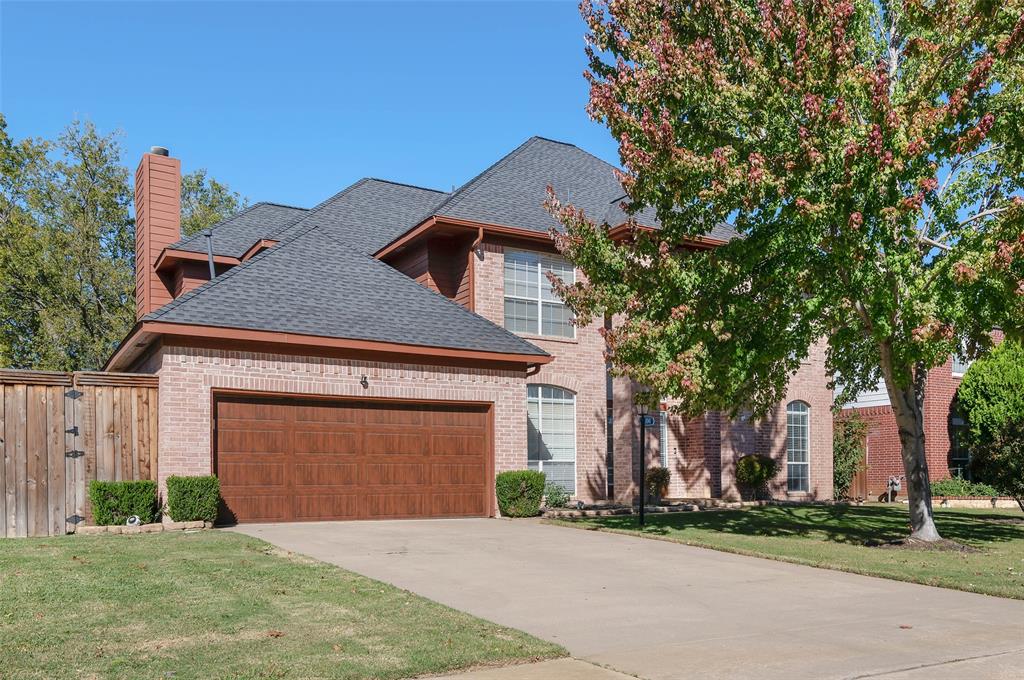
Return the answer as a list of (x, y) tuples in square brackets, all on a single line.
[(642, 411)]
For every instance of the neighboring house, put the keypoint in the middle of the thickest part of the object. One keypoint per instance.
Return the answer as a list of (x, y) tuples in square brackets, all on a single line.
[(387, 352), (944, 451)]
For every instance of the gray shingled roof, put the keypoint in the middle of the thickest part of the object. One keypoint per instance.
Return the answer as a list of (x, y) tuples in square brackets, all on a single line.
[(235, 235), (372, 212), (512, 191), (315, 283)]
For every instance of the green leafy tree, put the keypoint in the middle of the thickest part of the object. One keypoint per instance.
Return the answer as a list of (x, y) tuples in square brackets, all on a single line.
[(1001, 461), (871, 155), (205, 202), (991, 396), (67, 246), (848, 453), (66, 250)]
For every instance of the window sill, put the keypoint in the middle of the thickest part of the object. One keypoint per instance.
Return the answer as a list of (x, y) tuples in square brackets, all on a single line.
[(549, 338)]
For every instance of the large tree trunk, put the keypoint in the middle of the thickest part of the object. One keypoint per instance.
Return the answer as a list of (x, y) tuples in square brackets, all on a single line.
[(908, 407)]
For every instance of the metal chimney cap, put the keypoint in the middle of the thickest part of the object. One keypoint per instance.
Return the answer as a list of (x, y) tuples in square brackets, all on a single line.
[(159, 151)]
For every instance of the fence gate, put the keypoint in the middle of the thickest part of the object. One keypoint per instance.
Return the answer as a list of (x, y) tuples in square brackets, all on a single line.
[(58, 431)]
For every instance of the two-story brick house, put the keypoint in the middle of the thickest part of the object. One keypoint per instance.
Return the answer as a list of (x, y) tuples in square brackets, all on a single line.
[(387, 352)]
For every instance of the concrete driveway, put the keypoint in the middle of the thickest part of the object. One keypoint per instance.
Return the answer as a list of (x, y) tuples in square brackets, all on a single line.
[(655, 609)]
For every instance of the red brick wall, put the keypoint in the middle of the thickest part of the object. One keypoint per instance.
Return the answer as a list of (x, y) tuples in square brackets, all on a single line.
[(578, 366), (188, 376)]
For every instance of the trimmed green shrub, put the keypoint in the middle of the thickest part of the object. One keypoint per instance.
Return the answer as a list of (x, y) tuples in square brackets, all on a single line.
[(1002, 462), (519, 492), (848, 449), (114, 502), (191, 499), (657, 481), (754, 472), (555, 496), (957, 486)]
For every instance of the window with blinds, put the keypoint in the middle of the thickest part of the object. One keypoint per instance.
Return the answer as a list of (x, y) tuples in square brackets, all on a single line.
[(531, 304), (798, 458), (551, 434)]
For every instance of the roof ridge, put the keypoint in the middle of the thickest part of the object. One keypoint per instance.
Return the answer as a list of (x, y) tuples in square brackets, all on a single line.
[(406, 184), (284, 205), (467, 188), (231, 273)]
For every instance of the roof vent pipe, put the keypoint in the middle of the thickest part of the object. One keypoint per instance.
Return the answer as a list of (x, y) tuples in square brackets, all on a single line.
[(209, 253), (159, 151)]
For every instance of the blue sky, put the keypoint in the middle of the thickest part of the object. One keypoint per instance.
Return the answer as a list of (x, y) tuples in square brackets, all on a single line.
[(290, 101)]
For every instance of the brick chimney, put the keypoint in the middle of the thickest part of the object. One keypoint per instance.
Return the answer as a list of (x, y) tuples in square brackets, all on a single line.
[(157, 225)]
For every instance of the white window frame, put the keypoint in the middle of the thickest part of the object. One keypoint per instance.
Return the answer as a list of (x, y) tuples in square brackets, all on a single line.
[(806, 413), (542, 280), (540, 419), (963, 365)]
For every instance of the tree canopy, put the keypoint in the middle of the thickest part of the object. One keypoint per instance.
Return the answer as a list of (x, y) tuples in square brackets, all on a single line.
[(991, 395), (869, 152), (67, 246)]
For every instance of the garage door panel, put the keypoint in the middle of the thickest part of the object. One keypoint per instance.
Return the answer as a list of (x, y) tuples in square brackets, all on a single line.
[(259, 508), (299, 459), (397, 474), (327, 474), (453, 473), (251, 473), (457, 445), (326, 412), (382, 415), (324, 506), (391, 444), (395, 506), (456, 504), (325, 442)]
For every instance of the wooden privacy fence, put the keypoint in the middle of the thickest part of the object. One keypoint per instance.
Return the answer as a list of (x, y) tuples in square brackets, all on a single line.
[(58, 431)]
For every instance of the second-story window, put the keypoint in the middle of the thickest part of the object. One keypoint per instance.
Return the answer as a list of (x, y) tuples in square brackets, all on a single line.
[(531, 304)]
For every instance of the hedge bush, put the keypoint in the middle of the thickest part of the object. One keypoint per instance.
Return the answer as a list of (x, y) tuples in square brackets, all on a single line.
[(754, 472), (191, 499), (957, 486), (519, 492), (555, 496), (114, 502)]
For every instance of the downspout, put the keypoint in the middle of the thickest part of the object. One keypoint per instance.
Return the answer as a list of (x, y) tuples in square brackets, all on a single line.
[(209, 253), (473, 247), (532, 369)]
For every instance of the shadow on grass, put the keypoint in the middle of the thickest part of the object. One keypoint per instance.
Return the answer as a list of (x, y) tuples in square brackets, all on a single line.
[(854, 525)]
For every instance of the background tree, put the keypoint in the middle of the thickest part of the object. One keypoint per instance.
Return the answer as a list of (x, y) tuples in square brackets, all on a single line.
[(870, 152), (205, 202), (67, 246), (991, 395)]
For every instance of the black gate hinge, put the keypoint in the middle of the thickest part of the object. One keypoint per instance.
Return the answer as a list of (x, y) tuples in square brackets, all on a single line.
[(75, 519), (72, 430), (73, 394), (74, 453)]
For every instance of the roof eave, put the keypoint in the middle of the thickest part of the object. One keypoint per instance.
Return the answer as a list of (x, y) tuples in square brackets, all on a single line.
[(144, 332)]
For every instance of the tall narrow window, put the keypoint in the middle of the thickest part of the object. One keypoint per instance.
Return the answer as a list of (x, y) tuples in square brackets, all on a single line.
[(531, 304), (551, 434), (798, 459), (663, 437)]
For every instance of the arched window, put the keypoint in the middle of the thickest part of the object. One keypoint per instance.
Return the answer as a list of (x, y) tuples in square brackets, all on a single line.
[(551, 434), (798, 453)]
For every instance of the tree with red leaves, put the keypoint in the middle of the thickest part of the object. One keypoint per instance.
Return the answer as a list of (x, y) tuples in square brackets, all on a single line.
[(871, 155)]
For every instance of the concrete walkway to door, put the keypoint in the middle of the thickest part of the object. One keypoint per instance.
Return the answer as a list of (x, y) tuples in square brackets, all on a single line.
[(655, 609)]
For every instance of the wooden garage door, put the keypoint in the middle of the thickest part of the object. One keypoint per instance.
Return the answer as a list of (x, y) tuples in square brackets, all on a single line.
[(283, 460)]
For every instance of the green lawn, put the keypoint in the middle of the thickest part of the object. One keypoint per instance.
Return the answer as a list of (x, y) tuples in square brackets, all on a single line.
[(834, 537), (220, 605)]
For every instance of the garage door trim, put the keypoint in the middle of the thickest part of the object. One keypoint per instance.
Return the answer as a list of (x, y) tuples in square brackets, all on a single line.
[(220, 393)]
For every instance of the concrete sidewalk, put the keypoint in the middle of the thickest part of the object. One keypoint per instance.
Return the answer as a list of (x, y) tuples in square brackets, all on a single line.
[(655, 609)]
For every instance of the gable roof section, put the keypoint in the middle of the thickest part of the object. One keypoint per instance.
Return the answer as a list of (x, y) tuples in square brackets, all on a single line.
[(235, 235), (314, 283), (372, 212), (511, 192)]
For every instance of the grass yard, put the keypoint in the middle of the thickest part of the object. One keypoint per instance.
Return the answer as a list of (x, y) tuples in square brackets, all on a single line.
[(215, 604), (834, 537)]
